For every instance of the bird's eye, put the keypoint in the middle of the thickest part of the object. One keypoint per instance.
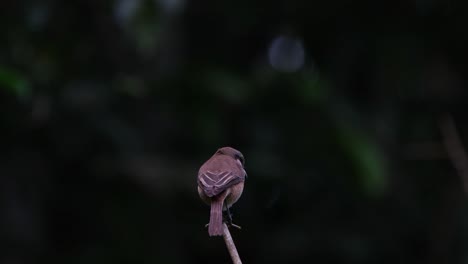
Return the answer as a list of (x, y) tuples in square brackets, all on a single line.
[(240, 158)]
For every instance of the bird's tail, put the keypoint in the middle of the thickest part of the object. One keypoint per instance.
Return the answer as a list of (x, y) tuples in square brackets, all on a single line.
[(215, 227)]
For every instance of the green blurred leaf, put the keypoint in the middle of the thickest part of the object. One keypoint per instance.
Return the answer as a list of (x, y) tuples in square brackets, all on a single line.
[(14, 83), (366, 158), (228, 86), (313, 88)]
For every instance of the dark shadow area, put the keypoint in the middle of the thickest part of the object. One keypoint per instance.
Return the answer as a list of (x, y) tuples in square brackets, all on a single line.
[(108, 109)]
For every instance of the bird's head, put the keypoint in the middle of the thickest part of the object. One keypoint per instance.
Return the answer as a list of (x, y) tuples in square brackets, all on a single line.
[(234, 153)]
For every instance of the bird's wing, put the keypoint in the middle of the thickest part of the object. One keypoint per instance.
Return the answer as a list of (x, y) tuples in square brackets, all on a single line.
[(215, 182)]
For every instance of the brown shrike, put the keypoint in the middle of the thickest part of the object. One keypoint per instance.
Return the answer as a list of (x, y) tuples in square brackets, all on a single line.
[(220, 184)]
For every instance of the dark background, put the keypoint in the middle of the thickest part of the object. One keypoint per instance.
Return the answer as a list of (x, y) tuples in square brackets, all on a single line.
[(108, 108)]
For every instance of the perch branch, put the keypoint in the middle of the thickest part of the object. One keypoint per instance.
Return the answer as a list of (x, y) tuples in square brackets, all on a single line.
[(230, 245), (454, 146)]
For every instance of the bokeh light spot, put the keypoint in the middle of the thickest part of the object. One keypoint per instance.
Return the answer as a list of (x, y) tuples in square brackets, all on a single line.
[(286, 54)]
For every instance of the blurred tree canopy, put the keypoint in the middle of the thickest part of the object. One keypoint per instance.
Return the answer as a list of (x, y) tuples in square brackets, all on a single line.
[(108, 108)]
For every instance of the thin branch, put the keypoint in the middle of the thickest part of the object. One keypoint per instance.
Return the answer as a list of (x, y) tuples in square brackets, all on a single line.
[(454, 146), (230, 245)]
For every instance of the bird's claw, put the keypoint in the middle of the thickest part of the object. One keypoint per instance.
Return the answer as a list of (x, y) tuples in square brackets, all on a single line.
[(236, 226), (228, 224)]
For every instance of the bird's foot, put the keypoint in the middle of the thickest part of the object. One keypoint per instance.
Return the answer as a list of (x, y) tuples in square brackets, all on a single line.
[(229, 224), (234, 225), (227, 218)]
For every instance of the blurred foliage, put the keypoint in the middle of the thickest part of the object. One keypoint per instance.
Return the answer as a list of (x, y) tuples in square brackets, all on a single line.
[(108, 108), (14, 83)]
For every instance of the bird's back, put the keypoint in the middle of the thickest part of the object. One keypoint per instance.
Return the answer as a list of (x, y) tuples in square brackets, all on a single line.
[(218, 173)]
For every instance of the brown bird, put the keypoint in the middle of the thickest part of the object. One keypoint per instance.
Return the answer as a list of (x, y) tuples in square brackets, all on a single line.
[(220, 184)]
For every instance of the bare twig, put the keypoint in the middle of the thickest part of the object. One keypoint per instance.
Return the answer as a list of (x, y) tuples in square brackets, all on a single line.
[(454, 147), (230, 245)]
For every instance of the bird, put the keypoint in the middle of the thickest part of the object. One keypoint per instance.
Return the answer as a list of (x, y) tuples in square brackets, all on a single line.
[(220, 184)]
